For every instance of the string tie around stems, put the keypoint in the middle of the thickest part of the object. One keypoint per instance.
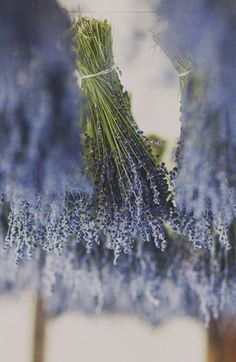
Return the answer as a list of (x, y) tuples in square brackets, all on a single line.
[(103, 72), (185, 74)]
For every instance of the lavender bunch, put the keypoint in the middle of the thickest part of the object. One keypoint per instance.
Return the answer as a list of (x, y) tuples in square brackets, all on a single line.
[(131, 196), (143, 283), (210, 275), (13, 278), (204, 57), (39, 121)]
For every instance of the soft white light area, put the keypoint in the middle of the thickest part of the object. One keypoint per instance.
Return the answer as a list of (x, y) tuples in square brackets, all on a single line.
[(16, 326), (121, 339)]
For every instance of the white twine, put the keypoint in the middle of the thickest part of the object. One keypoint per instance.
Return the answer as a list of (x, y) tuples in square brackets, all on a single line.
[(184, 74), (103, 72)]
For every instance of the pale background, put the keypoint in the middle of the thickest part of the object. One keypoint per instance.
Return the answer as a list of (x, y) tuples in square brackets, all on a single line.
[(151, 79)]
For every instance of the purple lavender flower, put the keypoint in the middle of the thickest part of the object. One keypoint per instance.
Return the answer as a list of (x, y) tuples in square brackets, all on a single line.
[(39, 119), (200, 40)]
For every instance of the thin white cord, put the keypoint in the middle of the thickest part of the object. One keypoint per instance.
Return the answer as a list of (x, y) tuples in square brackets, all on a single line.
[(103, 72), (112, 12), (184, 74)]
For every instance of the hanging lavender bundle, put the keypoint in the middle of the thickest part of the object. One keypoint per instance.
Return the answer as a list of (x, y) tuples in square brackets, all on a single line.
[(131, 196), (144, 283), (210, 275), (13, 278), (39, 121), (200, 43)]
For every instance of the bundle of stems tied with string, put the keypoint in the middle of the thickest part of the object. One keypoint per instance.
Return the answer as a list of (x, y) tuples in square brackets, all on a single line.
[(131, 197), (205, 183)]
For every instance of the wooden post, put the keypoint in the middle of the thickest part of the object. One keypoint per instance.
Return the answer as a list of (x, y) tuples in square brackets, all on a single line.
[(222, 340), (38, 354)]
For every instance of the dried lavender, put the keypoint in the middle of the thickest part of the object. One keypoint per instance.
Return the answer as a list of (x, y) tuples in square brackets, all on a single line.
[(205, 183), (143, 283), (131, 196), (39, 120), (146, 282), (211, 278), (91, 284)]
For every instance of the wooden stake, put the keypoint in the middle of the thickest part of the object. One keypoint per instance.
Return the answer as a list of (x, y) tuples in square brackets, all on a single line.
[(222, 341), (39, 333)]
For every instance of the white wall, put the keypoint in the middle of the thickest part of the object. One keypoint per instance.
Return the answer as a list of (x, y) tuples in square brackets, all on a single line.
[(118, 339)]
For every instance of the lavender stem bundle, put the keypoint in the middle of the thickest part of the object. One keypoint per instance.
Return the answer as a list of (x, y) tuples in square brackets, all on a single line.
[(39, 122), (131, 196), (205, 184)]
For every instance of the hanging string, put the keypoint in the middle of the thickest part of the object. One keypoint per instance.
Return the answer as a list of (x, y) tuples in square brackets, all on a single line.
[(103, 72), (185, 74), (112, 12)]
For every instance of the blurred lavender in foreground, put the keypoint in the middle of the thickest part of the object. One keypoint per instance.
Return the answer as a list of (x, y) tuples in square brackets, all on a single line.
[(146, 282), (39, 118), (200, 41)]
